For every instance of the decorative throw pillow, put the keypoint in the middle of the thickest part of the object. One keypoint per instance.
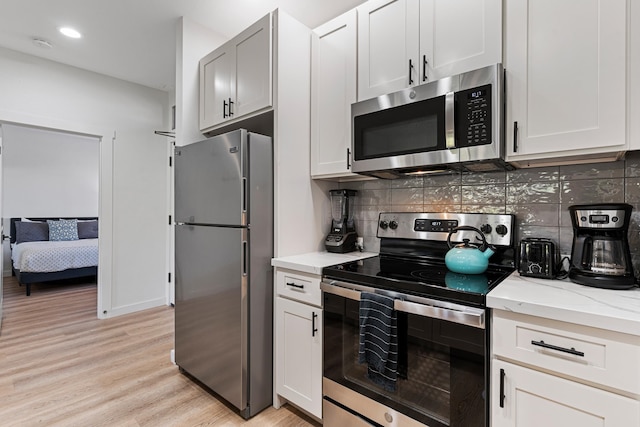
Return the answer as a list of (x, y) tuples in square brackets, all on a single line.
[(65, 229), (87, 229), (31, 231)]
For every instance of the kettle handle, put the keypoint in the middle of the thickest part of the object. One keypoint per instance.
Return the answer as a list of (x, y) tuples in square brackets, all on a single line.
[(469, 228)]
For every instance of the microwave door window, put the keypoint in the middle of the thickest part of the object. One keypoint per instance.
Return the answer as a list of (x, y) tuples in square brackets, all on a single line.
[(407, 129)]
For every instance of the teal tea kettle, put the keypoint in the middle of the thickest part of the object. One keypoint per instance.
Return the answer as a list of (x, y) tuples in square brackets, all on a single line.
[(468, 258)]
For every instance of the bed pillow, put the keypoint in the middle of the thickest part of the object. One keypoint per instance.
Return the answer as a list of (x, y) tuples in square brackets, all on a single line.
[(65, 229), (87, 229), (31, 231)]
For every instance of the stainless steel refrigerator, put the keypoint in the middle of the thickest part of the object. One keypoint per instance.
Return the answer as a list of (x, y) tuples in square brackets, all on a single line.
[(224, 246)]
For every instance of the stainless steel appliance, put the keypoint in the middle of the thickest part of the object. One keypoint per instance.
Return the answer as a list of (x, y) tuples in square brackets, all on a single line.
[(224, 246), (453, 123), (538, 257), (443, 366), (600, 255), (342, 237)]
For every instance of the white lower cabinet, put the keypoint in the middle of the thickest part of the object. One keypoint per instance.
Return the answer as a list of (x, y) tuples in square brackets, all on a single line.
[(298, 342), (532, 399), (550, 373)]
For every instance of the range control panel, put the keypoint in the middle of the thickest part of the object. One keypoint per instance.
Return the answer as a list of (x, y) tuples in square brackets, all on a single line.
[(498, 229)]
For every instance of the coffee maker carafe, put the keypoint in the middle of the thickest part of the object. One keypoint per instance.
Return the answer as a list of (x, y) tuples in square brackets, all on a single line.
[(600, 255), (342, 237)]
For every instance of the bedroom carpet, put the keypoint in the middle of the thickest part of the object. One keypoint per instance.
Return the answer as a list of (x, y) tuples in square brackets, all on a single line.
[(61, 366)]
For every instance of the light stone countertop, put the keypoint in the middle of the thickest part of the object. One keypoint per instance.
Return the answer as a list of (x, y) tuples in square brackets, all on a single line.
[(314, 262), (615, 310)]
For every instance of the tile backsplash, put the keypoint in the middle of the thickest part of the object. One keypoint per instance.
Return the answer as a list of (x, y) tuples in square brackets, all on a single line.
[(539, 198)]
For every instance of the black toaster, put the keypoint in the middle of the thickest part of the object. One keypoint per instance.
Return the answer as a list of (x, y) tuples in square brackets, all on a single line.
[(537, 258)]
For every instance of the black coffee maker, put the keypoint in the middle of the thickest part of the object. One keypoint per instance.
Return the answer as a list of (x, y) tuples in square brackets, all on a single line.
[(342, 237), (600, 255)]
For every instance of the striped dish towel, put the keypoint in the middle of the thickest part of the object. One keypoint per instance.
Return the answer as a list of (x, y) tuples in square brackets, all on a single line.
[(379, 339)]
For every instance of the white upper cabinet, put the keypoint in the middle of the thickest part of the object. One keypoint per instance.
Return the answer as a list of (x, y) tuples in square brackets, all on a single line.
[(236, 79), (403, 43), (387, 46), (215, 87), (566, 77), (333, 90), (458, 36)]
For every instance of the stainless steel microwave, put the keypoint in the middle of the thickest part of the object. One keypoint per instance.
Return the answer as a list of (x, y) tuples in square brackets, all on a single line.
[(455, 123)]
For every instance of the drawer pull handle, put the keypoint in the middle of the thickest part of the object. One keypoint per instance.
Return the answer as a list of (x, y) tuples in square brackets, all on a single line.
[(295, 286), (555, 347)]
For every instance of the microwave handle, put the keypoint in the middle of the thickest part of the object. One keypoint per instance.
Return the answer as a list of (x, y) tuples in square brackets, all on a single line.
[(449, 120)]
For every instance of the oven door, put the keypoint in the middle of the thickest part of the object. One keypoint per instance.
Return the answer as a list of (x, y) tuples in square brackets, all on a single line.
[(442, 362)]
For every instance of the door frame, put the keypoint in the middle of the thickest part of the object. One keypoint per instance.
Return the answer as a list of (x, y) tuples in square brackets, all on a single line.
[(106, 139)]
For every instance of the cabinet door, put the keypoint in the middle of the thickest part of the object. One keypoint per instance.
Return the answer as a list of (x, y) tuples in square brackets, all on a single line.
[(333, 90), (458, 36), (299, 354), (388, 37), (565, 83), (215, 87), (634, 76), (533, 399), (251, 87)]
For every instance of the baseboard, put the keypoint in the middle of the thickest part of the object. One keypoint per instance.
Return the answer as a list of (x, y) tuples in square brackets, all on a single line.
[(132, 308)]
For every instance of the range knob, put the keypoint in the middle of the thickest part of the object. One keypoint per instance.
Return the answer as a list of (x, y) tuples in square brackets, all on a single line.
[(393, 224), (502, 229), (384, 224), (486, 228)]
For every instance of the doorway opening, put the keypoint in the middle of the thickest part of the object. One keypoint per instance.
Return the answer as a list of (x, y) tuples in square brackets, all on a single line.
[(48, 174)]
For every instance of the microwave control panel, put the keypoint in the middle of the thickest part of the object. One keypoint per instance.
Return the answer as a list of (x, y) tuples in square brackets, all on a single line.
[(473, 116)]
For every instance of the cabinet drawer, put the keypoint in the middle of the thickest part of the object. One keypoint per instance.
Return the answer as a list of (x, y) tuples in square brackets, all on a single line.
[(588, 354), (299, 286)]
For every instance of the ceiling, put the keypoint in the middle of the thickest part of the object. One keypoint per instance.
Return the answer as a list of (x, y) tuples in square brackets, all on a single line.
[(134, 40)]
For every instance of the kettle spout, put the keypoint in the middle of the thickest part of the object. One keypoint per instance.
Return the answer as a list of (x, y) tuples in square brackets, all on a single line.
[(488, 252)]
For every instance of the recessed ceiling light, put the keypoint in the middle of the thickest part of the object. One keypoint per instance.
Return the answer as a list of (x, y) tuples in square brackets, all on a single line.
[(70, 32)]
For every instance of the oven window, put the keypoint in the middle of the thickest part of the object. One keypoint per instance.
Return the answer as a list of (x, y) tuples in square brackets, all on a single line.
[(441, 366), (412, 128)]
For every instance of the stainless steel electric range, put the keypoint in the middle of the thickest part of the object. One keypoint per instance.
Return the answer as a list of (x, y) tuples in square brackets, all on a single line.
[(442, 332)]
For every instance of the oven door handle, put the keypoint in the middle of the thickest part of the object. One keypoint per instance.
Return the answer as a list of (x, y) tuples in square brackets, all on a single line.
[(424, 307), (464, 317)]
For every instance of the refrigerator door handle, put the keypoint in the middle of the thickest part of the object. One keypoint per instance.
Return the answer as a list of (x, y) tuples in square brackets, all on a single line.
[(245, 257), (244, 194)]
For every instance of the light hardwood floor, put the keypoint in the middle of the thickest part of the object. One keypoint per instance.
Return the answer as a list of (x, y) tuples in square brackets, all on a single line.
[(61, 366)]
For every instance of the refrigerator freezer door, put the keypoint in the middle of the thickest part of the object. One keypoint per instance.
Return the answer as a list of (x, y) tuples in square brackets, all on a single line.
[(210, 187), (211, 308)]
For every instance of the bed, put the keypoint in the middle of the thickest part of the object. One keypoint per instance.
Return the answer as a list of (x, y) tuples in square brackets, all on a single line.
[(47, 249)]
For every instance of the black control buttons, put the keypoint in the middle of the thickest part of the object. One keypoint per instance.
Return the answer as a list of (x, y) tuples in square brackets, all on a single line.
[(393, 224), (384, 224), (502, 229), (486, 228)]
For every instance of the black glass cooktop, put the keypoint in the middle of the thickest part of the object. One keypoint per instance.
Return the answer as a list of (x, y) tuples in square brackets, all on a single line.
[(430, 279)]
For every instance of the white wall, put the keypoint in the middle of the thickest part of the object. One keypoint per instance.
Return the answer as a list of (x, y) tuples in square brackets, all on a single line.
[(133, 166), (47, 173)]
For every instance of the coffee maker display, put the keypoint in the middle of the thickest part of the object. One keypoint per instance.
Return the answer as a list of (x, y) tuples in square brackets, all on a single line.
[(342, 237), (600, 255)]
